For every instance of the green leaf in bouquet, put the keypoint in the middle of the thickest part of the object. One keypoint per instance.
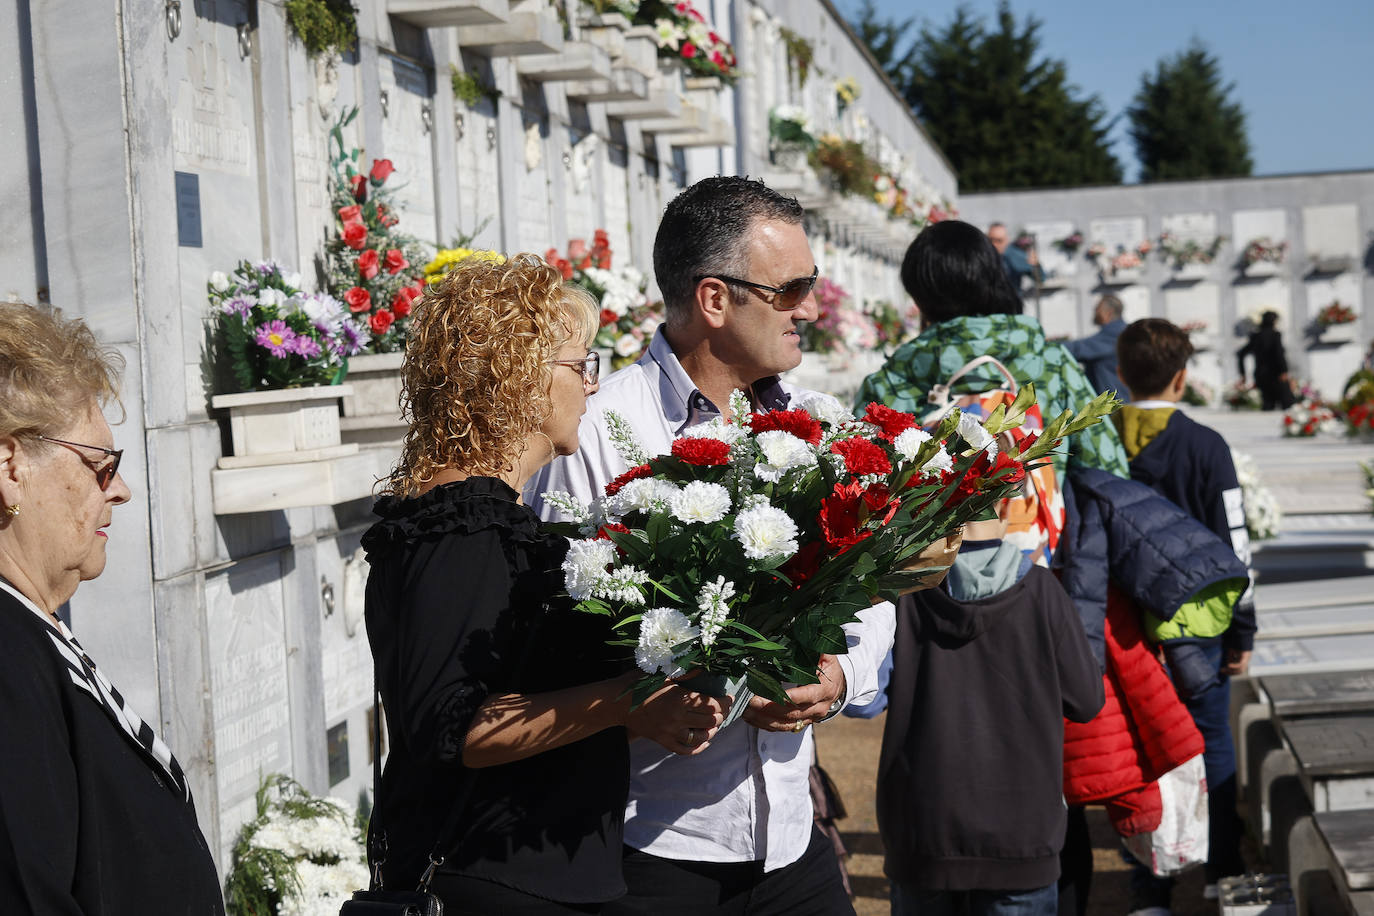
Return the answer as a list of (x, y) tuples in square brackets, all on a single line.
[(666, 591), (594, 606), (766, 686), (830, 640), (733, 624)]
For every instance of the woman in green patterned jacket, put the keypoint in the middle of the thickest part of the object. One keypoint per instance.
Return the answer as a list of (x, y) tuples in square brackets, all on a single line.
[(969, 309)]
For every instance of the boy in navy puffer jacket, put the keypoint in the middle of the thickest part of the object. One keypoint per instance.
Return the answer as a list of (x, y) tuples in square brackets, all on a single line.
[(1191, 465)]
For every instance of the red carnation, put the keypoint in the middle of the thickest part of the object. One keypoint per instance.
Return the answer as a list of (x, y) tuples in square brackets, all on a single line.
[(368, 265), (607, 317), (353, 214), (565, 269), (395, 261), (634, 473), (839, 518), (358, 299), (381, 170), (892, 422), (359, 186), (689, 50), (797, 422), (702, 451), (862, 456), (604, 262), (355, 236), (381, 320)]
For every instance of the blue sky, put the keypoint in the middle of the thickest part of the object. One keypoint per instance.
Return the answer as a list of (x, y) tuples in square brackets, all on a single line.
[(1304, 71)]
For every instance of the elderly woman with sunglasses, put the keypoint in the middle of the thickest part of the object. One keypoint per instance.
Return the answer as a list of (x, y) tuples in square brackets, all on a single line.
[(507, 710), (95, 812)]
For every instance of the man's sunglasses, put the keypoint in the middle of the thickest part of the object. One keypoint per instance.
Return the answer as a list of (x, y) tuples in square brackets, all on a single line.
[(105, 470), (786, 297), (589, 366)]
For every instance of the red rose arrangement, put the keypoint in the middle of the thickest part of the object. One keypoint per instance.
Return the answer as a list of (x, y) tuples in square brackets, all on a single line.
[(370, 266)]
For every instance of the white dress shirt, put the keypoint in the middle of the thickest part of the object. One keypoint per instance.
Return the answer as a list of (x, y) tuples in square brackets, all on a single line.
[(747, 797)]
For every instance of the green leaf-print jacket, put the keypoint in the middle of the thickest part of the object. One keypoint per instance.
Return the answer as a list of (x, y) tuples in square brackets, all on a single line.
[(1018, 342)]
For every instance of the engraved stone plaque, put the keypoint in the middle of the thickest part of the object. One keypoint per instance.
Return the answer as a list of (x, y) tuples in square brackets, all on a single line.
[(1332, 232), (407, 136), (1123, 233), (252, 716), (1054, 260), (1059, 313), (1197, 227)]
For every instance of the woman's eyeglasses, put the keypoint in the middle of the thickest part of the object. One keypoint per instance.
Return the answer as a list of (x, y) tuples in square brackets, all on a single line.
[(786, 297), (589, 366), (105, 470)]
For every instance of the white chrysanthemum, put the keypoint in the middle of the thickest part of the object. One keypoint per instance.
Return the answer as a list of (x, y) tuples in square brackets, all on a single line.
[(976, 436), (271, 297), (648, 494), (291, 279), (826, 409), (700, 501), (585, 565), (660, 630), (628, 345), (219, 281), (717, 429), (324, 888), (942, 462), (325, 836), (714, 604), (766, 532), (624, 584), (909, 442), (781, 452)]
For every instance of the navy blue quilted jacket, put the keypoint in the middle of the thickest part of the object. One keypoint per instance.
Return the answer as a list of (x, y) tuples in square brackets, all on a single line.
[(1155, 552)]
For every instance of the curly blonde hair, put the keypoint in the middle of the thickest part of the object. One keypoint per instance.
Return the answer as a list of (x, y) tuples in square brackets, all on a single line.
[(51, 370), (475, 381)]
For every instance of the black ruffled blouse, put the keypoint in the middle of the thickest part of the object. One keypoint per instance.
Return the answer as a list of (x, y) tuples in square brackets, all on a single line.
[(461, 604)]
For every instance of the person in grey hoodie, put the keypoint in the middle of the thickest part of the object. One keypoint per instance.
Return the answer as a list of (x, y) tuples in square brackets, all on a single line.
[(970, 784)]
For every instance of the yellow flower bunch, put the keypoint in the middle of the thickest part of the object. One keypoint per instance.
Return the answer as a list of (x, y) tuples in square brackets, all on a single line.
[(445, 258), (847, 88)]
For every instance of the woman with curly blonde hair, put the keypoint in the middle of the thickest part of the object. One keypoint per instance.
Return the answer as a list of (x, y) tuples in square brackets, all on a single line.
[(504, 704)]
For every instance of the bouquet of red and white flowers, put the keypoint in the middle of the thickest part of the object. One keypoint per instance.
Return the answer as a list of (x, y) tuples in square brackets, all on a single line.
[(746, 549)]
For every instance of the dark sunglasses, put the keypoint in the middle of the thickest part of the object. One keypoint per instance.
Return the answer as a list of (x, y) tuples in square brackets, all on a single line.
[(589, 366), (786, 297), (105, 471)]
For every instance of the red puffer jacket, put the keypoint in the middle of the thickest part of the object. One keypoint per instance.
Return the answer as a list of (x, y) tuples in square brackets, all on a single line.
[(1142, 732)]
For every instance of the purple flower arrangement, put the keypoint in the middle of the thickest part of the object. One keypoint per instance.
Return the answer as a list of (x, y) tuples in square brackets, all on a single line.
[(269, 333)]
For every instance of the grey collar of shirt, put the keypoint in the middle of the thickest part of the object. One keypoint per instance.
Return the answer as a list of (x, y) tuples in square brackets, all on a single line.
[(683, 403)]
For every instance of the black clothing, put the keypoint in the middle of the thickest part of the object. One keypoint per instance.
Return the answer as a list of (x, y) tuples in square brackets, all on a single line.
[(1266, 346), (1190, 464), (810, 886), (461, 606), (970, 783), (90, 822)]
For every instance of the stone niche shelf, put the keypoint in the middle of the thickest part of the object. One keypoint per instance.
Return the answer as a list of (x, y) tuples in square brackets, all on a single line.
[(440, 13), (1190, 273), (1124, 276), (288, 452), (1261, 269), (623, 85), (326, 482), (526, 32), (579, 60)]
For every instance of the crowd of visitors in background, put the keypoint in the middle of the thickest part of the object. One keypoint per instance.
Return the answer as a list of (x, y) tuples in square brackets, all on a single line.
[(520, 778)]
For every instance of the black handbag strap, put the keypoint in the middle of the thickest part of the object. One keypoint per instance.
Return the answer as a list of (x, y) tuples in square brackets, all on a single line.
[(436, 857)]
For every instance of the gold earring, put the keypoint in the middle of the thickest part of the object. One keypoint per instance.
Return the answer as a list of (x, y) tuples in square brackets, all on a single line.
[(12, 511)]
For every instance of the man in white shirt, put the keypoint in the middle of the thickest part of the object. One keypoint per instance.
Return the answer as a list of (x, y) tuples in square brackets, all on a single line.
[(728, 829)]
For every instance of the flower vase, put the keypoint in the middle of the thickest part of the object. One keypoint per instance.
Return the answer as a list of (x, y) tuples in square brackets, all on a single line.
[(372, 414), (721, 685), (284, 425)]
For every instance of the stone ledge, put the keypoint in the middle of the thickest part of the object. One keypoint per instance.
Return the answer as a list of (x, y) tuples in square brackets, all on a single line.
[(288, 486)]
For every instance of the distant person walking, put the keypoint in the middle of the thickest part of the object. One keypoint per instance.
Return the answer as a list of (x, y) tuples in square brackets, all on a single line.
[(1271, 365), (1017, 262), (1097, 352)]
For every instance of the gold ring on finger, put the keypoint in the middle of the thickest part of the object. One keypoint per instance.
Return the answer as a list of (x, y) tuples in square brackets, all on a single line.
[(798, 726), (691, 736)]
